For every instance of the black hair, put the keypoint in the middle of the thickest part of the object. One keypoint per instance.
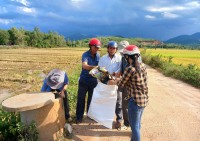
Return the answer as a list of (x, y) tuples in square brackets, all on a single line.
[(90, 46), (135, 63), (113, 47)]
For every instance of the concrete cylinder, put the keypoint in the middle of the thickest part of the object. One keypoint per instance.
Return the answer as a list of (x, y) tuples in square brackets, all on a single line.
[(44, 109)]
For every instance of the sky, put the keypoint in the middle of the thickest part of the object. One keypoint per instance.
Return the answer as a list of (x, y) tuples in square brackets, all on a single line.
[(156, 19)]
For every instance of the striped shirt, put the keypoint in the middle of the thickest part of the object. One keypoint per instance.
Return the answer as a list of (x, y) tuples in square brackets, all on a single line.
[(136, 84)]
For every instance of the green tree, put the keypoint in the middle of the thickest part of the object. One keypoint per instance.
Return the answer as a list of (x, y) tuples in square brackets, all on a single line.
[(36, 38), (17, 36), (69, 43), (4, 37)]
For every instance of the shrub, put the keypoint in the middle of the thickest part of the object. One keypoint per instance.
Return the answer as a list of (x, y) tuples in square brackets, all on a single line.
[(8, 125), (191, 74), (27, 132), (12, 129), (156, 62)]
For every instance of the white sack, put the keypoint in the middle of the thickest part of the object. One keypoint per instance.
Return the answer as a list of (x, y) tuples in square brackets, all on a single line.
[(102, 106)]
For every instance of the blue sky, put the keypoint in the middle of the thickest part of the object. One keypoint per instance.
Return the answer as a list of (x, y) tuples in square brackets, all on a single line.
[(158, 19)]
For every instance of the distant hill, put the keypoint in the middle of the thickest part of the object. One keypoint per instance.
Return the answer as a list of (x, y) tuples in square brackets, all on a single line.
[(119, 36), (188, 40), (79, 36)]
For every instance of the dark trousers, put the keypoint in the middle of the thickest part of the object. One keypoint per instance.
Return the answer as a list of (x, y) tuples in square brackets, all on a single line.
[(118, 108), (125, 107), (66, 104), (84, 88)]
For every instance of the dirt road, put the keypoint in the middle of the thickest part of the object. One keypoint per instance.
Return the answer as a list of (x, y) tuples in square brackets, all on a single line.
[(173, 114)]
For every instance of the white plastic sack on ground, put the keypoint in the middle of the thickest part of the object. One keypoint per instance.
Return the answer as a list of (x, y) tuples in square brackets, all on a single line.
[(102, 107)]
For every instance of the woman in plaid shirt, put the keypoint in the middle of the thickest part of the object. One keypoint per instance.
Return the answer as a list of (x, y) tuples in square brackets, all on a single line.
[(135, 81)]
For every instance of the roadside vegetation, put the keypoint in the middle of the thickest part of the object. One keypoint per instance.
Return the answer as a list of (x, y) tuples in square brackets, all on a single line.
[(11, 129), (186, 66)]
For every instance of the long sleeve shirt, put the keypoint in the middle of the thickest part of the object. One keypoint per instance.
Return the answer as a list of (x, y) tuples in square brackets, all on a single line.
[(136, 84)]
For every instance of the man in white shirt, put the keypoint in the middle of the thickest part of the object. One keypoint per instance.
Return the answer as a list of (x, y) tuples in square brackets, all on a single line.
[(112, 63)]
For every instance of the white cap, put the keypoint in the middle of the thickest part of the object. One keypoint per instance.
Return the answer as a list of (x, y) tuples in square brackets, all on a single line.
[(122, 45)]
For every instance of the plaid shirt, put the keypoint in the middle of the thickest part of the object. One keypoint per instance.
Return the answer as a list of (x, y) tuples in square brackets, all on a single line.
[(136, 84)]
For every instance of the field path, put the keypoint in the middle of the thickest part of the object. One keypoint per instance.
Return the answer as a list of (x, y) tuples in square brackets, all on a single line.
[(173, 114)]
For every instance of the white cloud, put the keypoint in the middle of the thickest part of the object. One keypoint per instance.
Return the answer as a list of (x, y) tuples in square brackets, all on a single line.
[(76, 15), (185, 6), (166, 9), (5, 21), (169, 15), (150, 17), (193, 4), (24, 2), (27, 10), (174, 11)]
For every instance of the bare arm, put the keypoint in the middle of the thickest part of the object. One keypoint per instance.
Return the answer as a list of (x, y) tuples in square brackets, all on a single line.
[(62, 93), (65, 87), (86, 66), (113, 82)]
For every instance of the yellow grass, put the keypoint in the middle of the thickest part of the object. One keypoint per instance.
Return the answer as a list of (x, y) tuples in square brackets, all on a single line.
[(183, 57), (23, 70)]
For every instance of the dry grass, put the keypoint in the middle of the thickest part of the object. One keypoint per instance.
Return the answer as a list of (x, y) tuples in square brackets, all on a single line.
[(23, 70)]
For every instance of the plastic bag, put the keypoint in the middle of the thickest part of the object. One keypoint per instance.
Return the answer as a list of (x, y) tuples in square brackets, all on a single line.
[(102, 106)]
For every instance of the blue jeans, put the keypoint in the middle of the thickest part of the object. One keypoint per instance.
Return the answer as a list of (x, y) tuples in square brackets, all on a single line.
[(135, 115)]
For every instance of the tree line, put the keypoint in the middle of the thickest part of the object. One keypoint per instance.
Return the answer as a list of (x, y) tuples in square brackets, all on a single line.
[(34, 38)]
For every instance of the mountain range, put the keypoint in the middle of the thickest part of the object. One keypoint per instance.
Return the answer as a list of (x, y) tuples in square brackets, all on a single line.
[(188, 40), (185, 40), (79, 36)]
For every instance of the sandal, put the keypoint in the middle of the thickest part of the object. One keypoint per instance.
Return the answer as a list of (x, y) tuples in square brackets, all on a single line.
[(122, 128), (118, 125)]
